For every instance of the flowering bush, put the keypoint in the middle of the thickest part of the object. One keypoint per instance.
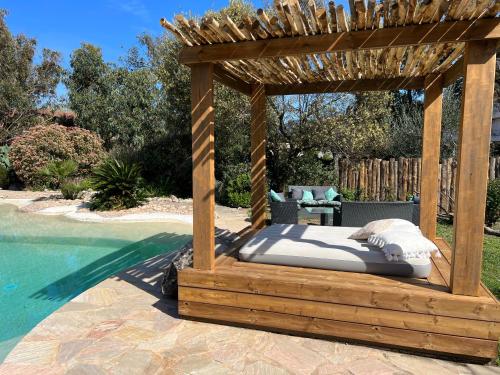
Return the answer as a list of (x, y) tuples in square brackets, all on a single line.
[(36, 148)]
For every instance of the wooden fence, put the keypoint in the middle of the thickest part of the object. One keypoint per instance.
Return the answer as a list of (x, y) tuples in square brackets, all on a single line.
[(396, 179)]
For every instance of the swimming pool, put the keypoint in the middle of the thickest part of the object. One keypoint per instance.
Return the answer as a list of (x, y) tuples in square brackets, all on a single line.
[(45, 261)]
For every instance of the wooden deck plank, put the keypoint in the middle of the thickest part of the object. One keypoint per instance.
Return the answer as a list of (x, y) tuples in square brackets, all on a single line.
[(416, 299), (446, 251), (436, 277), (354, 331), (423, 312), (228, 257), (334, 276), (346, 313)]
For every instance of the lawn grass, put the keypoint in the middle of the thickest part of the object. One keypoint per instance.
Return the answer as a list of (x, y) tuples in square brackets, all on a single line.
[(491, 257)]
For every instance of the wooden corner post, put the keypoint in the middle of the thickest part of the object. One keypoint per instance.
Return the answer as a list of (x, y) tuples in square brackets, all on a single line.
[(472, 171), (431, 144), (202, 114), (258, 156)]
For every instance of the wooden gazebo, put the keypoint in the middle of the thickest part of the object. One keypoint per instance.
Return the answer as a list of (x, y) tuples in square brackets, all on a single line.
[(398, 44)]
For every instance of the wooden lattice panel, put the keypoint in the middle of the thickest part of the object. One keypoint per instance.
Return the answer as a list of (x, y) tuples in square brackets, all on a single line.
[(291, 19)]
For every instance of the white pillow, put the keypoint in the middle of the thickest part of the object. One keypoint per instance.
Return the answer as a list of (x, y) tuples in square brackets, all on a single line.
[(379, 226), (401, 245)]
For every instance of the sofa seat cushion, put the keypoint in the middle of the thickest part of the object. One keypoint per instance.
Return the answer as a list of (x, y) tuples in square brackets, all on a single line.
[(326, 203), (308, 203), (326, 248), (320, 203)]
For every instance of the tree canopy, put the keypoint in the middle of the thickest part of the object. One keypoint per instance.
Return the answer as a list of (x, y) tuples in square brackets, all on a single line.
[(140, 106), (25, 86)]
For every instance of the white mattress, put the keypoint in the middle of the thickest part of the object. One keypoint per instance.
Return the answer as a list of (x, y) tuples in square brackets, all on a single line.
[(326, 247)]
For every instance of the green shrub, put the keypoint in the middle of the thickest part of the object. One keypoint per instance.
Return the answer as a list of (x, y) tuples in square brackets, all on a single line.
[(6, 173), (238, 191), (72, 190), (234, 188), (57, 172), (4, 157), (119, 185), (390, 195), (493, 202), (4, 177), (86, 184), (40, 145), (348, 194)]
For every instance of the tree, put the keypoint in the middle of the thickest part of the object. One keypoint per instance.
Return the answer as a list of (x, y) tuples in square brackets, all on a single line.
[(363, 130), (24, 86), (407, 120), (308, 132), (168, 157), (141, 108), (89, 91), (297, 133)]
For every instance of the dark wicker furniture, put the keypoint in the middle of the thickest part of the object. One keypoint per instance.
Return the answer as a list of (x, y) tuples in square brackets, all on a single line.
[(287, 212), (358, 214), (284, 212)]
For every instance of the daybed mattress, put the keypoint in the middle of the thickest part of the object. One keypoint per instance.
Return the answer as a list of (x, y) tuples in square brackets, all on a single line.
[(326, 247)]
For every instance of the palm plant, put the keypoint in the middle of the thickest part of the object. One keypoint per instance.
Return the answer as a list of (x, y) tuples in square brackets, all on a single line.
[(59, 171), (119, 185)]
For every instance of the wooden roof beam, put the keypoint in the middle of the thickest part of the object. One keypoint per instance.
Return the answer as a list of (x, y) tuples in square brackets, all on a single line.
[(453, 73), (442, 32), (222, 76), (347, 86)]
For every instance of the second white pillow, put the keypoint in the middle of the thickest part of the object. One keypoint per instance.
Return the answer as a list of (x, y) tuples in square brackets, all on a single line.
[(401, 245)]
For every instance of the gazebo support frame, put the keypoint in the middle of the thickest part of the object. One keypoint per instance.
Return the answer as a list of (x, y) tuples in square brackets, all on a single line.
[(451, 312)]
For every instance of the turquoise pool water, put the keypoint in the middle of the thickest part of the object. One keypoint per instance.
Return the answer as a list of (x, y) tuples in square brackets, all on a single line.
[(46, 261)]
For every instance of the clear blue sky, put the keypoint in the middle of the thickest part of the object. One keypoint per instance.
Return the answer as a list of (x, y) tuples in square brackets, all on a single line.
[(113, 25)]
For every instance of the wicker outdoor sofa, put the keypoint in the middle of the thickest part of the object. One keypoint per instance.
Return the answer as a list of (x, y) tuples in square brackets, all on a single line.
[(353, 214), (287, 211), (358, 214)]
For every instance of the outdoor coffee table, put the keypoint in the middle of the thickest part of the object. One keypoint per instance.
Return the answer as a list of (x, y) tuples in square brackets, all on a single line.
[(326, 214)]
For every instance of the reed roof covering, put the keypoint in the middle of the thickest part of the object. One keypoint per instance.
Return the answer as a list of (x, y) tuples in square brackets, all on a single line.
[(293, 44)]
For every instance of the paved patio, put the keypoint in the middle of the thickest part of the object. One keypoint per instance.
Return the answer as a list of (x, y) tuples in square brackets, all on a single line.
[(124, 326)]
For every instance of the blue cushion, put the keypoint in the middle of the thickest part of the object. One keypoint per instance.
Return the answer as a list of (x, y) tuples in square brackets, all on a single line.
[(307, 195), (331, 194), (275, 197)]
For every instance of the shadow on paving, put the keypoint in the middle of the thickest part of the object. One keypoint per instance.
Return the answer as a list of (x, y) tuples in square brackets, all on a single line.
[(77, 282)]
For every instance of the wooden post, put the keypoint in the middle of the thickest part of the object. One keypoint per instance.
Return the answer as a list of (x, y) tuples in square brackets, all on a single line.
[(474, 145), (202, 114), (431, 142), (258, 156)]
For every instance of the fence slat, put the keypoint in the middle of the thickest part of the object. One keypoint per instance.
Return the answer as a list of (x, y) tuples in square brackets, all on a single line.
[(393, 179)]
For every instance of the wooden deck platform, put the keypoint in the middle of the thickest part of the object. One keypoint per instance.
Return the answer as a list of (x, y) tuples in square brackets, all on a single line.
[(416, 314)]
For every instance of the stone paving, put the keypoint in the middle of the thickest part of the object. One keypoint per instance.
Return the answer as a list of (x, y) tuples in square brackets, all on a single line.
[(124, 326)]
